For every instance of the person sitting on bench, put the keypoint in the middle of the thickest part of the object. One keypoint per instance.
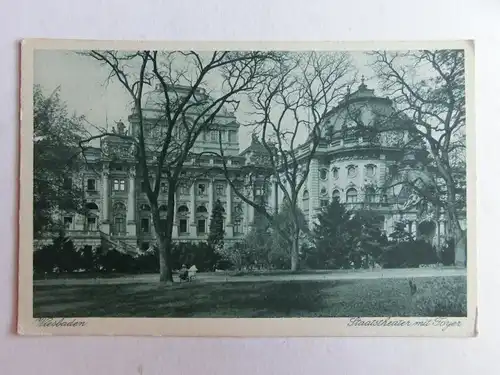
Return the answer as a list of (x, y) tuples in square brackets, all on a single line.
[(184, 273)]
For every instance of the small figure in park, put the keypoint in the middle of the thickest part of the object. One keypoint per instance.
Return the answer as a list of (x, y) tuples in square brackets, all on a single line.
[(184, 273), (192, 272)]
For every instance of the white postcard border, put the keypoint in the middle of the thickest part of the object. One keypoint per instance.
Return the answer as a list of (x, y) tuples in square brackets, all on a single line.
[(234, 327)]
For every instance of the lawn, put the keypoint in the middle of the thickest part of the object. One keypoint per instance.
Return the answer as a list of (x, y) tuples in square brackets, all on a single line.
[(435, 296)]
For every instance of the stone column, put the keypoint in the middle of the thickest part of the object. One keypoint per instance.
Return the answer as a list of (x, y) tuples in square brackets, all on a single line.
[(105, 199), (131, 204), (229, 211), (192, 228)]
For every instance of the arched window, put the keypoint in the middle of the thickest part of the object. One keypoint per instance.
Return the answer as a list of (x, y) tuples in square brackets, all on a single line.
[(351, 195), (336, 195), (323, 174), (119, 207), (183, 209), (201, 210), (323, 191), (370, 195), (145, 207), (163, 207), (91, 206), (335, 173)]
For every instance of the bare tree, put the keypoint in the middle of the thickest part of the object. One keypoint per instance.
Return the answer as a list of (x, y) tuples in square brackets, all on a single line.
[(186, 108), (293, 102), (428, 87)]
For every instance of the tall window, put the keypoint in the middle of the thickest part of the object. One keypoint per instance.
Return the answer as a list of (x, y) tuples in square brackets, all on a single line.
[(163, 187), (219, 190), (201, 226), (145, 225), (119, 185), (370, 195), (335, 173), (323, 174), (214, 135), (336, 194), (91, 184), (370, 170), (119, 225), (238, 228), (184, 189), (201, 210), (68, 222), (182, 226), (201, 189), (352, 195), (91, 223)]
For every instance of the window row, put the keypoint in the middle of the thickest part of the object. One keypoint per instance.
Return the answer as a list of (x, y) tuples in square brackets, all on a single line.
[(352, 171), (351, 196), (230, 136), (118, 226)]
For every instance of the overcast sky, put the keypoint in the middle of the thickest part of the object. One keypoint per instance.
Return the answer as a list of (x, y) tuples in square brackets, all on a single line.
[(82, 86)]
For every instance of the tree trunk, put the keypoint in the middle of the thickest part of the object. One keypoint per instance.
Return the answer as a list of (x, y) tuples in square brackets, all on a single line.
[(295, 247), (164, 239), (295, 255)]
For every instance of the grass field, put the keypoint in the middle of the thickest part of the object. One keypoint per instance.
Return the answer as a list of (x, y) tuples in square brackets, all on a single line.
[(436, 296)]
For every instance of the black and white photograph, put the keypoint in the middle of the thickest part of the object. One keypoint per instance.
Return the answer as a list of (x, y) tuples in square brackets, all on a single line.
[(247, 180)]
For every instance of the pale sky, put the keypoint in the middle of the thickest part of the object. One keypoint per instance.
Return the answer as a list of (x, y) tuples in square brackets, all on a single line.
[(82, 86)]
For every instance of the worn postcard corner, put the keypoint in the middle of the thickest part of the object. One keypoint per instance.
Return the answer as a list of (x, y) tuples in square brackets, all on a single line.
[(247, 189)]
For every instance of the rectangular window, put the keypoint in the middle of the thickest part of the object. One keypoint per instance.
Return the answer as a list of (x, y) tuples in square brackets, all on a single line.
[(219, 190), (91, 224), (201, 189), (184, 190), (238, 229), (201, 226), (163, 187), (145, 246), (235, 162), (145, 225), (68, 222), (91, 184), (214, 135), (119, 185), (182, 226), (119, 225)]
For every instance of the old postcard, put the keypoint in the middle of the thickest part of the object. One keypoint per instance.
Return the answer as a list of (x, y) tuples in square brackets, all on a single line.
[(247, 189)]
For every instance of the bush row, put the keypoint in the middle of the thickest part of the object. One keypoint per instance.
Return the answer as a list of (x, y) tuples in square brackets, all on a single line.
[(63, 257)]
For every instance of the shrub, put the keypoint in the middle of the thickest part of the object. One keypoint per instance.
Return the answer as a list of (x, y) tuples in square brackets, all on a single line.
[(409, 254), (447, 253)]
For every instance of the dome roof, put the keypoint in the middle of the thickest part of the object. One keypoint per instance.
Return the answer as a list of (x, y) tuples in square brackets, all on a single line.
[(359, 108)]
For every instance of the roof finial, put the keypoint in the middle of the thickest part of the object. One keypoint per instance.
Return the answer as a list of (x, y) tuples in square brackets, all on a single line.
[(363, 79)]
